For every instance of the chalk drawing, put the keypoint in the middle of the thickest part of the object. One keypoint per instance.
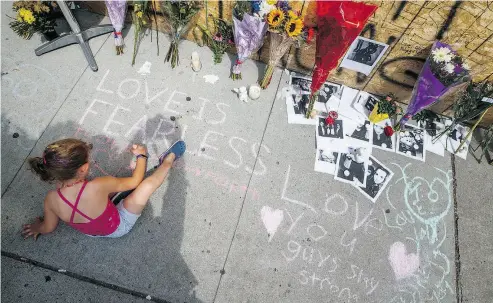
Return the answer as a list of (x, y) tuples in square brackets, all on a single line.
[(212, 79), (403, 264), (297, 202), (145, 69), (425, 206), (271, 218)]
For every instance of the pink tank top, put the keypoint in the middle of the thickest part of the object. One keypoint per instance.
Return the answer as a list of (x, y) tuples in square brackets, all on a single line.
[(103, 225)]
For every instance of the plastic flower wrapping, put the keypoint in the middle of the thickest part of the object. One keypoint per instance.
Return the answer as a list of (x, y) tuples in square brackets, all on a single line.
[(116, 11), (339, 23), (249, 36), (443, 69), (286, 29)]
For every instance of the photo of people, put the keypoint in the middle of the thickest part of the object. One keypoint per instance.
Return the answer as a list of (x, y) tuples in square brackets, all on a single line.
[(377, 178), (330, 131), (296, 106), (433, 127), (363, 55), (329, 89), (359, 131), (364, 103), (454, 139), (411, 141), (352, 166), (379, 139), (325, 161), (301, 85)]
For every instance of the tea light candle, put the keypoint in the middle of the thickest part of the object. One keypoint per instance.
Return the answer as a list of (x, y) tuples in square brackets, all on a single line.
[(254, 92)]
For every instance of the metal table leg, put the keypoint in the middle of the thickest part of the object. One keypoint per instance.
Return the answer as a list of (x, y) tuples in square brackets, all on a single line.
[(76, 36)]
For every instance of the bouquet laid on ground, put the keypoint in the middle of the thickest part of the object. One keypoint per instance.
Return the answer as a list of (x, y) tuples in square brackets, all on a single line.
[(338, 23), (471, 104), (286, 29), (139, 12), (117, 10), (220, 39), (443, 69), (385, 108), (33, 17), (179, 14), (249, 32)]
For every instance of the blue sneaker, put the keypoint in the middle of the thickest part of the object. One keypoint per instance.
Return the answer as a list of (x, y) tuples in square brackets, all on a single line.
[(178, 148)]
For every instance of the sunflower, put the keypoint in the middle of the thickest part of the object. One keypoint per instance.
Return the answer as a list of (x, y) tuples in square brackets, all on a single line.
[(294, 27), (275, 17), (292, 15)]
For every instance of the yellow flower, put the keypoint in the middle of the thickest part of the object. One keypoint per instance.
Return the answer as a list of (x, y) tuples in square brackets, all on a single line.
[(292, 15), (139, 14), (271, 2), (27, 15), (294, 27), (275, 17)]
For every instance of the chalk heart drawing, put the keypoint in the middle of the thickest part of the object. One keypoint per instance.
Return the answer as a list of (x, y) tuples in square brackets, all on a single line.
[(271, 218), (403, 264)]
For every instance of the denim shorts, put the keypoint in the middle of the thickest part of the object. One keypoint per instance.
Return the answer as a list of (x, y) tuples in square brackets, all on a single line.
[(127, 221)]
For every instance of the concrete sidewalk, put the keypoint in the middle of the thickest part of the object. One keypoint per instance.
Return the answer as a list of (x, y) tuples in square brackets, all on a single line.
[(202, 239)]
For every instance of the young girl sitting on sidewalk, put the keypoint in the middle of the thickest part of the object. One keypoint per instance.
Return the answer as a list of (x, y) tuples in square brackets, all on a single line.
[(85, 205)]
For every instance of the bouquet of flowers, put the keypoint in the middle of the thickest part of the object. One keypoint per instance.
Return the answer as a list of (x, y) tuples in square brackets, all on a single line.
[(179, 14), (384, 109), (339, 23), (140, 8), (470, 105), (443, 69), (117, 10), (287, 29), (249, 32), (32, 17), (221, 40)]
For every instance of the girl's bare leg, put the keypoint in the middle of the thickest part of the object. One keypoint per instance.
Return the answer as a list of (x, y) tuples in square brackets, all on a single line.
[(138, 199)]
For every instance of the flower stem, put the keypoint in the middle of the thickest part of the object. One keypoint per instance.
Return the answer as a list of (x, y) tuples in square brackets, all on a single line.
[(267, 76), (313, 98)]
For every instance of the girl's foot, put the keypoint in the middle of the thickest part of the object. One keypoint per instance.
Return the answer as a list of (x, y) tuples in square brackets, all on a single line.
[(178, 149)]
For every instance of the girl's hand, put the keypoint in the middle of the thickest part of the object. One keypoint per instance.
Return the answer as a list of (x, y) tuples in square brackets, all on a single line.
[(138, 149), (32, 229)]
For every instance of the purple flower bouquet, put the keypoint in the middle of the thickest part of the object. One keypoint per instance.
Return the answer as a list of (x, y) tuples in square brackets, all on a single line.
[(443, 69), (249, 36), (116, 11)]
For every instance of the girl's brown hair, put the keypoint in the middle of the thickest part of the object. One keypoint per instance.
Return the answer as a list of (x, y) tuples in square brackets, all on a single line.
[(61, 160)]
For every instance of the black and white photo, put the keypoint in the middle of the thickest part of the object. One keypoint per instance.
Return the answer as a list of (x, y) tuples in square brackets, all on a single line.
[(301, 85), (433, 128), (326, 160), (352, 165), (330, 131), (454, 139), (296, 106), (411, 142), (364, 103), (329, 89), (363, 55), (379, 139), (359, 132), (377, 178)]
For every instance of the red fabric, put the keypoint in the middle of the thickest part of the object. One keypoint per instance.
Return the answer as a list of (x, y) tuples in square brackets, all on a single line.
[(103, 225), (339, 23)]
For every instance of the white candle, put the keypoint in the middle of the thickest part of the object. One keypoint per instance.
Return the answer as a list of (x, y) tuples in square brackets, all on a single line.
[(254, 92), (196, 65)]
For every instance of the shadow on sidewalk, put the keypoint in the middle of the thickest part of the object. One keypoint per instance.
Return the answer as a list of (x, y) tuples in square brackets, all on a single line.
[(148, 259)]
